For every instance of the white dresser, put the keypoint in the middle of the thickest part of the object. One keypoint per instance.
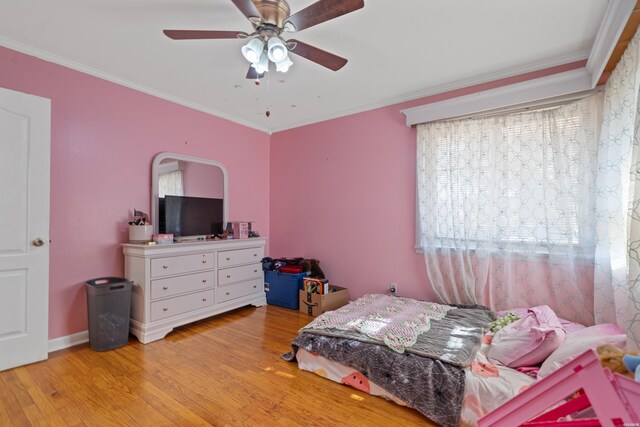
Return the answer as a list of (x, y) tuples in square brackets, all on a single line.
[(184, 282)]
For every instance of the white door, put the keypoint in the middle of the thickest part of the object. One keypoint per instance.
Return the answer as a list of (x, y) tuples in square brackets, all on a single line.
[(25, 123)]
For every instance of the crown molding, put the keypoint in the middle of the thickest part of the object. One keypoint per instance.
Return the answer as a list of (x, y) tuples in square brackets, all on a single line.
[(613, 23), (579, 80), (449, 87), (49, 57), (552, 86)]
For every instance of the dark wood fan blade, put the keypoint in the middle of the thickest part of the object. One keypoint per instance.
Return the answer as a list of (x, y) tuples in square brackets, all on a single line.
[(322, 11), (247, 8), (202, 34), (319, 56), (253, 74)]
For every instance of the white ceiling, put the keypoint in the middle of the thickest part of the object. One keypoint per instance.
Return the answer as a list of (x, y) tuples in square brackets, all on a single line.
[(397, 50)]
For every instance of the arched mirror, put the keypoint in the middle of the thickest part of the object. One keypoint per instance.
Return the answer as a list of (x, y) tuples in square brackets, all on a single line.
[(189, 195)]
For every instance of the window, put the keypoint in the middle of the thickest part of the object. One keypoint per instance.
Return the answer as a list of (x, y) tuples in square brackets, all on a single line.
[(170, 179), (523, 180)]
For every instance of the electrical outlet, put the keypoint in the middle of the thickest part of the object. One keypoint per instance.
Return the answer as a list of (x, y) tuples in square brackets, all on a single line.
[(393, 288)]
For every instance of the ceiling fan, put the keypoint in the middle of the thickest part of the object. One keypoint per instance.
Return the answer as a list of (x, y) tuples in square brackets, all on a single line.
[(271, 18)]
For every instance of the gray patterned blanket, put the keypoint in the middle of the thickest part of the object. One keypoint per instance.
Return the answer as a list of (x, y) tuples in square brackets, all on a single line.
[(426, 378), (454, 339)]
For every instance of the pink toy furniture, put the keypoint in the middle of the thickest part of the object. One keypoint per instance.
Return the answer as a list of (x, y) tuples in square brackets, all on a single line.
[(581, 384)]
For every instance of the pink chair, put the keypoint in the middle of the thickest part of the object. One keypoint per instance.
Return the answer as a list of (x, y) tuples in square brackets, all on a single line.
[(581, 384)]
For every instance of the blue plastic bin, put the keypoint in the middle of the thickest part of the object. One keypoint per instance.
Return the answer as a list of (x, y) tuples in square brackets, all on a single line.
[(282, 288)]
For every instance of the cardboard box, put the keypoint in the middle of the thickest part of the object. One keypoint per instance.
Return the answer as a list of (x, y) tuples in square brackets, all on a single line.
[(316, 304)]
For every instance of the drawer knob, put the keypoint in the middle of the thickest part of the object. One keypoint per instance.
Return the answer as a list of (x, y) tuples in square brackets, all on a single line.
[(204, 299), (165, 309), (255, 286), (228, 259), (255, 254), (165, 287), (165, 266), (227, 293), (255, 271), (228, 276), (204, 261), (204, 280)]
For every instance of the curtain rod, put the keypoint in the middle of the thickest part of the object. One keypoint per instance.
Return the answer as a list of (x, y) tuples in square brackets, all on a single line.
[(529, 106)]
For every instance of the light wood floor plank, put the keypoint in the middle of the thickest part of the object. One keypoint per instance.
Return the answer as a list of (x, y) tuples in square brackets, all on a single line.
[(223, 371)]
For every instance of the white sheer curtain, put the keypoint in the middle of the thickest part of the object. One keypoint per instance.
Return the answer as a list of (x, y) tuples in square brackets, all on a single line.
[(617, 278), (506, 208), (171, 184)]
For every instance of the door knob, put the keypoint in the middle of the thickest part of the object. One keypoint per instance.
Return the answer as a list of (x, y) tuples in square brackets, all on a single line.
[(38, 242)]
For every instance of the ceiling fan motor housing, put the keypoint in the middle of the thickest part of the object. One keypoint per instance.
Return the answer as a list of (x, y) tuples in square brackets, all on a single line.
[(274, 12)]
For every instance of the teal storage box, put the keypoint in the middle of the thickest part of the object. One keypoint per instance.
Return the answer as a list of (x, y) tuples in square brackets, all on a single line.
[(282, 288)]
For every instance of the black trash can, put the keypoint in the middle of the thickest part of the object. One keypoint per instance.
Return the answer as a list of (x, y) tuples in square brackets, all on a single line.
[(109, 306)]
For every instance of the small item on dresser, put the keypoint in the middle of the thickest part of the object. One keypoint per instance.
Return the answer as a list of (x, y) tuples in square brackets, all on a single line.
[(139, 218), (163, 239), (140, 233), (140, 230), (241, 229)]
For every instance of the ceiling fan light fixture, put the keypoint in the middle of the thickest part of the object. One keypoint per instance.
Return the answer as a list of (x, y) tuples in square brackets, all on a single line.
[(262, 66), (284, 65), (252, 50), (276, 50)]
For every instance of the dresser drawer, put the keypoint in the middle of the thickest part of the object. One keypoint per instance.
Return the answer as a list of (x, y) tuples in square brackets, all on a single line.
[(170, 286), (178, 305), (226, 293), (240, 256), (239, 274), (181, 264)]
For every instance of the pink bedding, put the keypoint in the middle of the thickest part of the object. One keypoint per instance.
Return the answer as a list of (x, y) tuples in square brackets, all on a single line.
[(528, 341)]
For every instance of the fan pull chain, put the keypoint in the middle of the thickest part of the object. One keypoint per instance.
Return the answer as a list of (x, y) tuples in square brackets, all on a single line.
[(268, 113)]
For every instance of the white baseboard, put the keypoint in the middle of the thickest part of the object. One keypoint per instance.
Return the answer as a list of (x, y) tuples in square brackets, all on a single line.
[(68, 341)]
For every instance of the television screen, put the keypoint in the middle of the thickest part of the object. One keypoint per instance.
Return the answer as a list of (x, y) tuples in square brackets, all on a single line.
[(190, 216)]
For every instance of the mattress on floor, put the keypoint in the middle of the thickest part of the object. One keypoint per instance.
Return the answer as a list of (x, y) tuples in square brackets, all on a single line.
[(487, 386)]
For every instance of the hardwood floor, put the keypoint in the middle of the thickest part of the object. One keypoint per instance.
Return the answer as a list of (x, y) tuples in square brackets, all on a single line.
[(224, 371)]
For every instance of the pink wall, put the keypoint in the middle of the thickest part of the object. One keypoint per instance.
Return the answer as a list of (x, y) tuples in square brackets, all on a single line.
[(203, 181), (103, 140), (343, 191)]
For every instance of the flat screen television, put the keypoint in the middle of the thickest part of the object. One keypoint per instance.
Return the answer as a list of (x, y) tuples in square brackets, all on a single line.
[(190, 216)]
